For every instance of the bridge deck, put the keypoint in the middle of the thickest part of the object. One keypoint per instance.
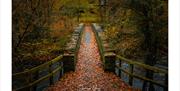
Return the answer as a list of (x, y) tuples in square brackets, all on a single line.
[(89, 74)]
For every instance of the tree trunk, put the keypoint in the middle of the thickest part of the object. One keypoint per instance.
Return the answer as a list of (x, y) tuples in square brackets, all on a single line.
[(151, 49)]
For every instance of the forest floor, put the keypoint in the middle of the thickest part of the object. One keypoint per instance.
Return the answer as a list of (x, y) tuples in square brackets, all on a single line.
[(89, 74)]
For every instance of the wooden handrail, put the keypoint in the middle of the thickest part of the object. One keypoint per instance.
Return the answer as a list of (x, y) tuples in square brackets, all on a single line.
[(39, 80), (38, 68), (141, 77), (145, 66)]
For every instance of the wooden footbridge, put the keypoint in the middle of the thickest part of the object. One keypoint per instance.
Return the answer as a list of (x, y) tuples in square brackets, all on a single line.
[(87, 65)]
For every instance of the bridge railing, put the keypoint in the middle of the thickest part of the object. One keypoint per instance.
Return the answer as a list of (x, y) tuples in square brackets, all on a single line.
[(47, 73), (99, 42), (28, 80), (78, 43), (110, 61), (131, 73)]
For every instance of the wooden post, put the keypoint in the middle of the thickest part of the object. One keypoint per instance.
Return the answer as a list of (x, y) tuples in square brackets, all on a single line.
[(50, 72), (68, 62), (151, 85), (130, 76), (61, 70), (166, 82), (120, 69), (110, 62), (146, 86), (29, 80), (36, 78)]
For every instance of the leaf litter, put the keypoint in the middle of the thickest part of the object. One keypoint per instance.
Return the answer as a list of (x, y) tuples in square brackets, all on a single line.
[(89, 74)]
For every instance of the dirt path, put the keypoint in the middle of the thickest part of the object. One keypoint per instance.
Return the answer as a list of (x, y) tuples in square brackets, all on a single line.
[(89, 74)]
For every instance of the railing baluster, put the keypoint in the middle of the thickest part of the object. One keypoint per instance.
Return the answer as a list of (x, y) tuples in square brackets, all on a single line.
[(28, 80), (50, 72), (33, 78), (36, 78), (130, 76), (61, 70), (120, 69), (166, 82), (149, 80)]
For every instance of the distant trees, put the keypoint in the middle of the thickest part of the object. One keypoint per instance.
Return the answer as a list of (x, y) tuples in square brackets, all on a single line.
[(27, 15), (150, 17), (40, 28), (30, 22)]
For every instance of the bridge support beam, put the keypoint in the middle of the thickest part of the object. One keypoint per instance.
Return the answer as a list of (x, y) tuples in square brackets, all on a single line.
[(68, 62), (110, 60)]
